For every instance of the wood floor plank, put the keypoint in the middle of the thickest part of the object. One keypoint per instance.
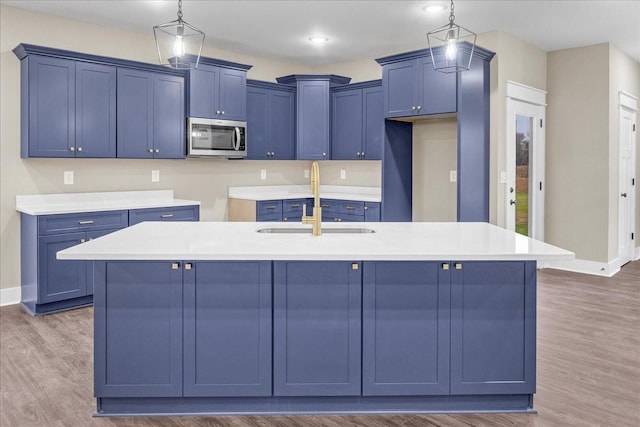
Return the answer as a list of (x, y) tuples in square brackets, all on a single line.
[(588, 367)]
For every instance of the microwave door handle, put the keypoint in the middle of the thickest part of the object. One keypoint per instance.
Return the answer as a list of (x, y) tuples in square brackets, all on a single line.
[(236, 141)]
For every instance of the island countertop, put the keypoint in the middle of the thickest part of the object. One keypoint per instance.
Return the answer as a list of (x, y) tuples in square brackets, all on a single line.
[(406, 241)]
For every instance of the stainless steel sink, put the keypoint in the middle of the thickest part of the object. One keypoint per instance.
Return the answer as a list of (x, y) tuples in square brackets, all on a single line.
[(327, 230)]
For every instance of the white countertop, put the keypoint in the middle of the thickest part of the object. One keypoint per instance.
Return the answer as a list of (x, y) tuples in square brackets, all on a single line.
[(277, 192), (240, 241), (50, 204)]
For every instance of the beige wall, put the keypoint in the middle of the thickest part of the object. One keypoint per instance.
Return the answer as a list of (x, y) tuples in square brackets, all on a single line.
[(197, 179), (434, 155), (577, 151)]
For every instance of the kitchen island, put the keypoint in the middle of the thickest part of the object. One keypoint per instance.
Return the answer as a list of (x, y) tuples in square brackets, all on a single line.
[(243, 318)]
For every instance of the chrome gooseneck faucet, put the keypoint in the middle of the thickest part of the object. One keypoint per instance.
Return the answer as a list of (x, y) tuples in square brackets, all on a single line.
[(316, 218)]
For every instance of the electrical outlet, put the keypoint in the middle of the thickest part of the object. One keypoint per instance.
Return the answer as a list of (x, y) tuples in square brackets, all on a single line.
[(453, 176), (68, 177), (155, 176), (503, 177), (263, 174), (306, 173), (343, 174)]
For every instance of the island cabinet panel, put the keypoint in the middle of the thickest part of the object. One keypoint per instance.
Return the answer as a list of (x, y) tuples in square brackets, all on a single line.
[(493, 328), (227, 329), (405, 329), (138, 329), (317, 328)]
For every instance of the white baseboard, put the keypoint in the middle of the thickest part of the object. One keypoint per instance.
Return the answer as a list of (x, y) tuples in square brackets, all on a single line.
[(586, 267), (9, 296)]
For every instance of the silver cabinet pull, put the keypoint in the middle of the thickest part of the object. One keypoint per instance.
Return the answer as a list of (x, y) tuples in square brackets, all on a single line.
[(82, 240), (295, 206), (419, 107), (85, 222), (79, 148), (72, 148), (270, 207), (223, 112), (363, 154), (324, 154), (166, 216), (157, 150), (413, 107), (217, 111), (151, 150)]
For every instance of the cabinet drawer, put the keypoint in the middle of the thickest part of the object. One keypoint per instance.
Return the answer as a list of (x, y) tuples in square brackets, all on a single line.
[(330, 206), (269, 217), (268, 207), (348, 207), (182, 213), (66, 223), (295, 206)]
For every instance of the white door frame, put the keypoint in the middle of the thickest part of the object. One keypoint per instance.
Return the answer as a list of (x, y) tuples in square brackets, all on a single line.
[(627, 113), (528, 101)]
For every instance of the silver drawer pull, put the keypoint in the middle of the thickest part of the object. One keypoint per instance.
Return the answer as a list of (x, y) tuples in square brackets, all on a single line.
[(270, 207), (166, 216), (85, 222), (351, 208), (295, 206)]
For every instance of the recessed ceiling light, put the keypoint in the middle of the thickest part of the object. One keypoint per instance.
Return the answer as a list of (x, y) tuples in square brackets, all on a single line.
[(318, 39), (433, 8)]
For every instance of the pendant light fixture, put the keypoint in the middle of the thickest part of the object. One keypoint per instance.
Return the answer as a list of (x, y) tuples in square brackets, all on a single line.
[(459, 44), (179, 43)]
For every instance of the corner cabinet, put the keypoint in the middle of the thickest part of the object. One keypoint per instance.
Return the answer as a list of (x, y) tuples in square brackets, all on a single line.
[(150, 115), (218, 90), (313, 127), (357, 121), (270, 121)]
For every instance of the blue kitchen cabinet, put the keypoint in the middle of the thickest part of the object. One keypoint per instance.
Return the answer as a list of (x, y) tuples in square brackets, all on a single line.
[(174, 213), (317, 328), (372, 211), (292, 209), (269, 210), (349, 211), (138, 333), (227, 328), (270, 121), (218, 91), (150, 114), (68, 108), (357, 122), (493, 327), (405, 335), (313, 127), (413, 88), (60, 279)]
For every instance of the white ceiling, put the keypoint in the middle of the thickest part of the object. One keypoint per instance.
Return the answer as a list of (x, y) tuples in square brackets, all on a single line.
[(362, 29)]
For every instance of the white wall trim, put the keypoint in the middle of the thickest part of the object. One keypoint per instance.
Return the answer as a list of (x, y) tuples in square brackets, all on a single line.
[(10, 296), (627, 100), (585, 267), (526, 93)]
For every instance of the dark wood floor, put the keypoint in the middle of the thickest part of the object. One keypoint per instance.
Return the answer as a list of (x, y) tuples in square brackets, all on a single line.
[(588, 366)]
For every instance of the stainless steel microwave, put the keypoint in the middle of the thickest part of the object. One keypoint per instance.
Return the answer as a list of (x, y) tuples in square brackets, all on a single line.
[(216, 138)]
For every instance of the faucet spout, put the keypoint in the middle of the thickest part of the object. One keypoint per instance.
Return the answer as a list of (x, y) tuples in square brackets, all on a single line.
[(316, 218)]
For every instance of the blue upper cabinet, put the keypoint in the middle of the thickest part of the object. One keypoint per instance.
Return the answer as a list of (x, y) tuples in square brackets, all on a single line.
[(413, 88), (68, 108), (313, 113), (357, 122), (270, 121), (218, 90), (150, 112)]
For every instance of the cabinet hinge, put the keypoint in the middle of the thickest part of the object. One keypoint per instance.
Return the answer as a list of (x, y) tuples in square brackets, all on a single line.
[(540, 122)]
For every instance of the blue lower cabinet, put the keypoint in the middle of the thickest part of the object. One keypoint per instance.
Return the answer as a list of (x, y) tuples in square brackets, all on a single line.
[(175, 213), (60, 279), (405, 339), (493, 328), (227, 329), (372, 211), (138, 329), (317, 328)]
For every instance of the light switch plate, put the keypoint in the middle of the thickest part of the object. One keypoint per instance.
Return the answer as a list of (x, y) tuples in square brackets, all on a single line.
[(343, 174), (155, 176), (503, 177), (68, 177), (263, 174), (306, 173), (453, 176)]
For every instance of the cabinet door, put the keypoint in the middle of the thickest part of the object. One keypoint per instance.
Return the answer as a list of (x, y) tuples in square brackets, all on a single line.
[(405, 329), (233, 94), (138, 329), (493, 328), (316, 329), (372, 211), (436, 91), (90, 235), (227, 329), (135, 114), (346, 125), (51, 115), (203, 91), (168, 117), (399, 82), (60, 279), (258, 147), (373, 129), (95, 110), (282, 125), (313, 120)]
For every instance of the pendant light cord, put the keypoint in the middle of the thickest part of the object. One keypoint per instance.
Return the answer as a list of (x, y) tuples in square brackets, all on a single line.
[(452, 17), (180, 9)]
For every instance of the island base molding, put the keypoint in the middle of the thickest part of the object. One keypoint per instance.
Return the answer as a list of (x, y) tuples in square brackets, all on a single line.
[(119, 406), (56, 306)]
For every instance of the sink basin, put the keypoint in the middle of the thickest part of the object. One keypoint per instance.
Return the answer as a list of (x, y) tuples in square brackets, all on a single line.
[(328, 230)]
